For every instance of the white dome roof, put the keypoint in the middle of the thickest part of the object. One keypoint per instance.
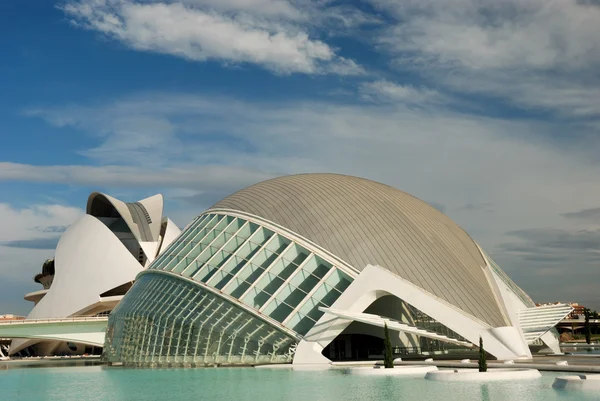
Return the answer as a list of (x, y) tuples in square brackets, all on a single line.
[(364, 222)]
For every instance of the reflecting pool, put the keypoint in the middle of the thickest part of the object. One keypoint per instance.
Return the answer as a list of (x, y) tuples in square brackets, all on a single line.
[(248, 384)]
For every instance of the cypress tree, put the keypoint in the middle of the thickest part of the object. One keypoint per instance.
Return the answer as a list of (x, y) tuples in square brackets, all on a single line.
[(388, 356), (482, 362), (587, 327)]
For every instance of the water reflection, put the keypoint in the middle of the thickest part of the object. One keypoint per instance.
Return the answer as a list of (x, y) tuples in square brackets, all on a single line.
[(232, 384), (485, 393)]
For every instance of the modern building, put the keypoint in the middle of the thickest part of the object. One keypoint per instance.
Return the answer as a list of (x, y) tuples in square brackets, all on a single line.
[(95, 264), (308, 269), (578, 311), (10, 317)]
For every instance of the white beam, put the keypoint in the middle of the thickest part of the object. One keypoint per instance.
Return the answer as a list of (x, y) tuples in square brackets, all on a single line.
[(381, 321)]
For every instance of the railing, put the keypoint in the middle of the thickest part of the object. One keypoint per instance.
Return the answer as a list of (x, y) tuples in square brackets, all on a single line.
[(56, 320)]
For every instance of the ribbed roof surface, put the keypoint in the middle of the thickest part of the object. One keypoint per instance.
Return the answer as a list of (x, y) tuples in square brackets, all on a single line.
[(364, 222)]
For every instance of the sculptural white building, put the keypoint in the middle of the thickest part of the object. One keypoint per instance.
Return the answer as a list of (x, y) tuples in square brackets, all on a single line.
[(308, 268), (96, 262)]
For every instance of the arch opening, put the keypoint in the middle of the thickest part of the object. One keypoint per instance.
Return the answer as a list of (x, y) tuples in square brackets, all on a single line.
[(362, 341), (100, 206)]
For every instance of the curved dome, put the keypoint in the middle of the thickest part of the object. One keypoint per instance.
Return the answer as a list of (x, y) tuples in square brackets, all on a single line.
[(364, 222)]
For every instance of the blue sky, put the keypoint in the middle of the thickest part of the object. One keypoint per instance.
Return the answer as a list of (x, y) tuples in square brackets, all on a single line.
[(488, 110)]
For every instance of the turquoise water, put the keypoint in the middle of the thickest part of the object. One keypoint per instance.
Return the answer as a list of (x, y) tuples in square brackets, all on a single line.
[(225, 384), (582, 351)]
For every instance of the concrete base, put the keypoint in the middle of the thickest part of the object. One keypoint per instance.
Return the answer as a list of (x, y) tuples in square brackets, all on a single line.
[(579, 382), (474, 375), (308, 366), (280, 366), (396, 371)]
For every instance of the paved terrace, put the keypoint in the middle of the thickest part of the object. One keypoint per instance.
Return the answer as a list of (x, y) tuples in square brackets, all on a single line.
[(576, 363)]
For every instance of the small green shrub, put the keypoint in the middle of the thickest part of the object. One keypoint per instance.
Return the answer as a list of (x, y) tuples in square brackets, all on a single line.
[(388, 356), (482, 362)]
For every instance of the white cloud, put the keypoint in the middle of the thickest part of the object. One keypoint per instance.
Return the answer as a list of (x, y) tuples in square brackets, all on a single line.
[(386, 91), (311, 136), (37, 221), (183, 176), (205, 34), (17, 268), (535, 54), (21, 230), (538, 34), (257, 7)]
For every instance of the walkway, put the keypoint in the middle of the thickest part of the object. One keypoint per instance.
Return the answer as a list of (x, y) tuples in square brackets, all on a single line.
[(85, 330)]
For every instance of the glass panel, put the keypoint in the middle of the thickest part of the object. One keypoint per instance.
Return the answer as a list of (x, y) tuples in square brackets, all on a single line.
[(205, 272), (165, 321), (270, 283), (183, 239), (317, 266), (339, 280), (279, 272), (239, 287), (256, 298), (235, 225), (271, 251), (326, 294), (239, 264), (204, 241), (291, 295), (219, 240), (303, 325), (222, 279), (311, 309), (233, 265), (248, 230), (305, 281), (278, 310)]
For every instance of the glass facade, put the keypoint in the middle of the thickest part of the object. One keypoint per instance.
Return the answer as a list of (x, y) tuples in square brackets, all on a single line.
[(423, 321), (171, 322), (240, 263)]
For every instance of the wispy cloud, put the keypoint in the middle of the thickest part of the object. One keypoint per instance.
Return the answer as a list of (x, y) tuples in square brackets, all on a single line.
[(534, 54), (482, 34), (430, 154), (230, 32), (192, 176), (389, 92), (552, 238), (592, 215), (477, 207), (28, 236), (35, 243), (37, 221), (556, 260)]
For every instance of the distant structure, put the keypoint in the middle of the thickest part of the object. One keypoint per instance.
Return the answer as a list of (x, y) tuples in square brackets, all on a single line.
[(307, 269), (577, 311), (96, 262), (5, 342), (10, 317)]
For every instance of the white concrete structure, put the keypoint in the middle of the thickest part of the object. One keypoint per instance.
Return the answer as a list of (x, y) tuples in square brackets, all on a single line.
[(413, 370), (96, 262), (578, 382), (308, 268), (88, 330), (474, 375)]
